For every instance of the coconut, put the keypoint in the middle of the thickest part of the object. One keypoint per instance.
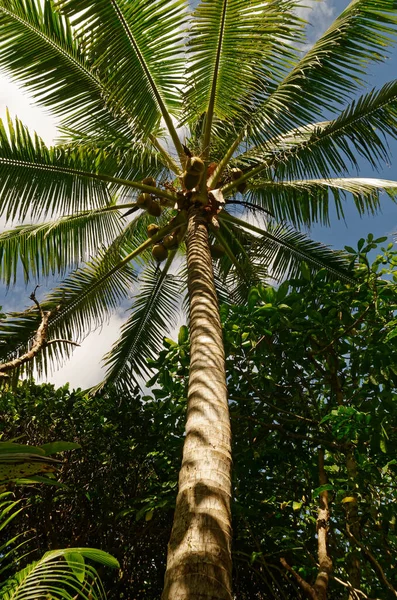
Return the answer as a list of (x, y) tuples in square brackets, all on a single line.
[(236, 173), (154, 209), (152, 229), (217, 251), (170, 241), (149, 181), (159, 252), (191, 180), (144, 200), (196, 165)]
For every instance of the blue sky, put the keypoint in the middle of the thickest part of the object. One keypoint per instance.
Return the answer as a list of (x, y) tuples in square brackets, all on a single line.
[(84, 370)]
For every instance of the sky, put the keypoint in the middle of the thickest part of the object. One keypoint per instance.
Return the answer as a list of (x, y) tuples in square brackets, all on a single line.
[(84, 369)]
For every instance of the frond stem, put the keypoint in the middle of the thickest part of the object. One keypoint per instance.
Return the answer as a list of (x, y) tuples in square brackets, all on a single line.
[(106, 178), (213, 180), (211, 105), (172, 165), (163, 109)]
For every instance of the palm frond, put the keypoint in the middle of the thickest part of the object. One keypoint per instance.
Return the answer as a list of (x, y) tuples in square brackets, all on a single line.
[(238, 269), (61, 79), (138, 48), (58, 246), (60, 574), (37, 180), (330, 73), (153, 314), (283, 249), (304, 202), (136, 158), (83, 301), (325, 148), (229, 56)]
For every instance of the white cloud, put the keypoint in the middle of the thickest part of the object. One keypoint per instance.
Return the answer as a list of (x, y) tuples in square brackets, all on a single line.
[(319, 15), (85, 369), (22, 105)]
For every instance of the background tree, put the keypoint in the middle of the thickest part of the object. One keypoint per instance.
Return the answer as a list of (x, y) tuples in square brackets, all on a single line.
[(114, 72)]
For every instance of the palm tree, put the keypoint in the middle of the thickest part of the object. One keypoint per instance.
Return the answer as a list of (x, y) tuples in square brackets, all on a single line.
[(194, 121)]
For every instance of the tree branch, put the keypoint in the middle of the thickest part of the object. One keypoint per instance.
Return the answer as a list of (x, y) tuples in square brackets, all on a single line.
[(39, 340), (372, 560), (306, 587)]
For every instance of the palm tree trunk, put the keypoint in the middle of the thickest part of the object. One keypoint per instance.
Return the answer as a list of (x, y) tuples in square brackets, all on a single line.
[(199, 551)]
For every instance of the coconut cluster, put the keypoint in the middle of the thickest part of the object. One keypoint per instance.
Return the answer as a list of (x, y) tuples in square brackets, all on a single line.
[(193, 173), (148, 202), (169, 242), (191, 179)]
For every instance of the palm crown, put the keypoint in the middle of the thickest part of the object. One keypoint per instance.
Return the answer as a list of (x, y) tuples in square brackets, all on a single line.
[(230, 74)]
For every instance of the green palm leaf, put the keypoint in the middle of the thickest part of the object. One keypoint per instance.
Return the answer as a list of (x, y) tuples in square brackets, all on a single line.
[(229, 56), (138, 48), (61, 575), (37, 180), (332, 70), (153, 313), (238, 269), (321, 149), (135, 158), (85, 299), (283, 249), (56, 247), (62, 79), (307, 201)]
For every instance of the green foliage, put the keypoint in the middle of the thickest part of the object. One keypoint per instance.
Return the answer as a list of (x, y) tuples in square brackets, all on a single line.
[(59, 573), (21, 463), (59, 579), (118, 490), (310, 364)]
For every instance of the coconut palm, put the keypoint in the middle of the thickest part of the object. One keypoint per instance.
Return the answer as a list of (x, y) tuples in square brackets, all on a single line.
[(214, 132)]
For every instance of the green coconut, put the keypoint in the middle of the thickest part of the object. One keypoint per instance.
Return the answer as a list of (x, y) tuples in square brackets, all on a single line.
[(196, 165), (191, 180), (144, 200), (170, 241), (217, 251), (236, 173), (159, 252), (152, 229), (154, 209), (149, 181)]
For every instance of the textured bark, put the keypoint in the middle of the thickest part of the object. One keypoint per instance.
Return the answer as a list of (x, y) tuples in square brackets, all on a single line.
[(325, 562), (307, 589), (199, 551), (353, 525)]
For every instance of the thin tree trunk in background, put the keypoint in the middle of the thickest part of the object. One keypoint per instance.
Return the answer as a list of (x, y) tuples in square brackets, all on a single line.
[(353, 525), (353, 566), (325, 562), (199, 552)]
